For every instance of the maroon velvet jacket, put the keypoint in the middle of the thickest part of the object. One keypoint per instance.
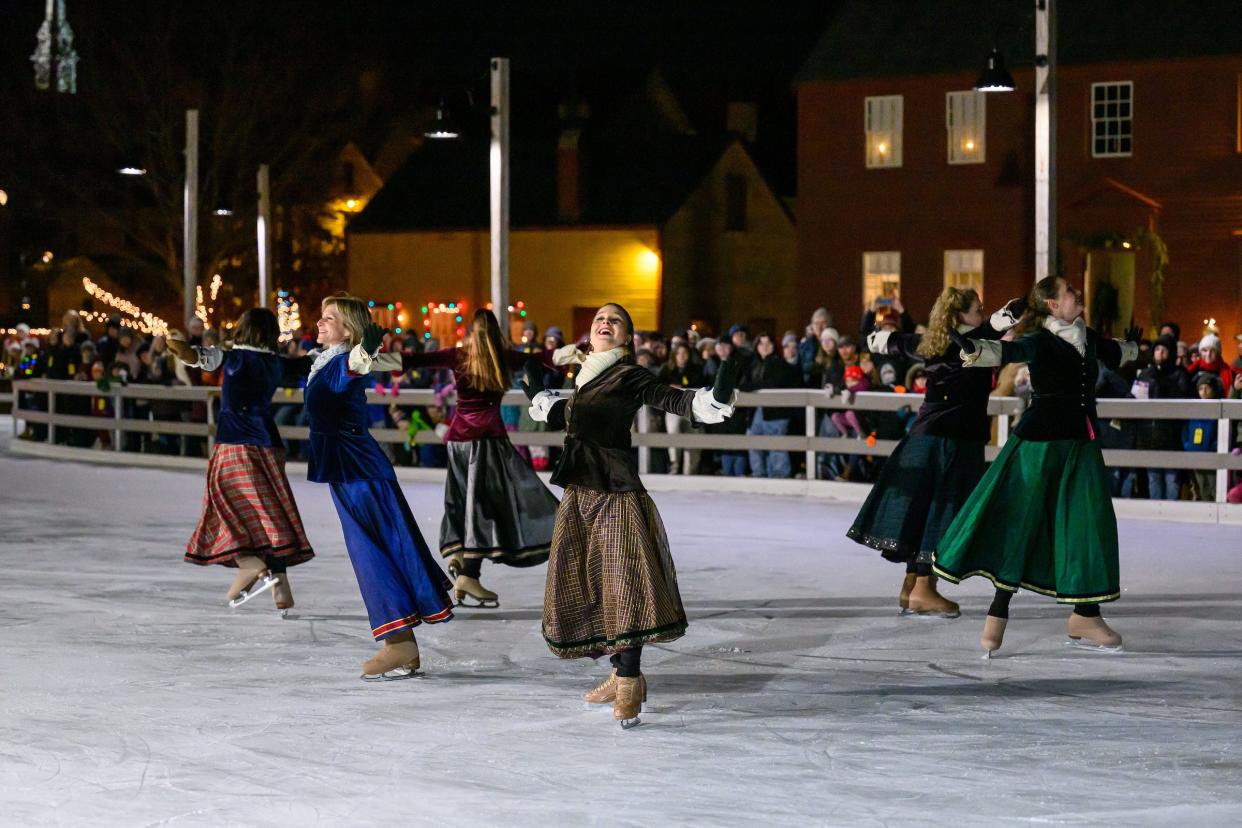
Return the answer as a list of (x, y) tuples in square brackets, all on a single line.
[(478, 412)]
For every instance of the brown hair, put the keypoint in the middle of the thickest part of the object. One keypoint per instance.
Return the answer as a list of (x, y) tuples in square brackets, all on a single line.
[(485, 363), (951, 302), (1045, 291), (354, 314), (257, 328)]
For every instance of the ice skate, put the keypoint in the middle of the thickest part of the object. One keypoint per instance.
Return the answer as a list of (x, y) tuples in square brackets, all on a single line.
[(926, 602), (253, 578), (630, 692), (397, 660), (903, 599), (1091, 633), (603, 693), (993, 634), (457, 562), (469, 590), (282, 593)]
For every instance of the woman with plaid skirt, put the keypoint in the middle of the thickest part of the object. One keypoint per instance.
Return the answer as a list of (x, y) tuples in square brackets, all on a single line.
[(611, 584), (249, 519), (937, 465)]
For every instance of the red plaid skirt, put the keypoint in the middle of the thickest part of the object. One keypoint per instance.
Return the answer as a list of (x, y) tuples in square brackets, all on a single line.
[(248, 509)]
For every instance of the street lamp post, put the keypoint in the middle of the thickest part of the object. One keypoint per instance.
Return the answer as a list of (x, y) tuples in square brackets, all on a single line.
[(499, 158), (996, 79), (190, 229), (263, 226)]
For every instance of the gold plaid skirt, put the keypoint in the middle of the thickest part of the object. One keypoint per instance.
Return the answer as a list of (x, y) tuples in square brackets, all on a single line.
[(611, 582)]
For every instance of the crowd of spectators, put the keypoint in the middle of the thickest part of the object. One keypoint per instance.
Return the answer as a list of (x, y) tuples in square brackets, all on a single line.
[(819, 357)]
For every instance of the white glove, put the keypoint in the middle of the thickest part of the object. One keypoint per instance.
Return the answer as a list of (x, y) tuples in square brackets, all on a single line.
[(706, 410), (541, 406), (441, 430), (877, 341)]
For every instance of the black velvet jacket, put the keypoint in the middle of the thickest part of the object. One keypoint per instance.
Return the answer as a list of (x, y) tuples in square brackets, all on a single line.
[(1062, 384), (956, 403), (597, 419)]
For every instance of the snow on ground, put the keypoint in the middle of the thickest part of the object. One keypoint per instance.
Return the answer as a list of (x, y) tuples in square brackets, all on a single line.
[(132, 696)]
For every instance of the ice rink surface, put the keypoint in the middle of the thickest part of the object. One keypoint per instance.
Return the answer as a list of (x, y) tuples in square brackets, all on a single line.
[(131, 696)]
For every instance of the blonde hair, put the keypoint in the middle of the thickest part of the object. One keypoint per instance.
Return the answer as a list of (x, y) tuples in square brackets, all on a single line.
[(485, 363), (951, 302), (355, 315)]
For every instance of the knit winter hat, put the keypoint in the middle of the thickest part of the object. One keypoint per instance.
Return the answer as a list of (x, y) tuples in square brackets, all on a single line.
[(831, 333), (1210, 341), (1208, 378), (1167, 342), (853, 373)]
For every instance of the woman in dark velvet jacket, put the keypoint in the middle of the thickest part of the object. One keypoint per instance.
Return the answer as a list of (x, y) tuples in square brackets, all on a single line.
[(611, 583), (1041, 518)]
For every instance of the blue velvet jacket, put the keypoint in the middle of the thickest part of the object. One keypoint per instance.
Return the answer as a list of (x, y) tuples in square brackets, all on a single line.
[(250, 379), (341, 447)]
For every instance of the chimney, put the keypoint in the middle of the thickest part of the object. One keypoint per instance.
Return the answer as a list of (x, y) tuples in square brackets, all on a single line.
[(742, 119), (569, 161), (568, 175)]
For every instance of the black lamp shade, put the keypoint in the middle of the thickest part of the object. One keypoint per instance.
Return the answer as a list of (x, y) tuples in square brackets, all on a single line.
[(995, 77)]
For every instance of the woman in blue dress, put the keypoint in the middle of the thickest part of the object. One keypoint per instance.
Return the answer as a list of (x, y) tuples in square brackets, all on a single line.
[(400, 582)]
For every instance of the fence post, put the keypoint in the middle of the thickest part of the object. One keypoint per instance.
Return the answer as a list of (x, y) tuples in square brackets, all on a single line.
[(1223, 426), (1002, 427), (51, 418), (811, 466), (644, 452), (117, 415)]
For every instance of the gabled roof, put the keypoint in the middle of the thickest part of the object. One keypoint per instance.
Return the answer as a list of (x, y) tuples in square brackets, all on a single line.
[(888, 38), (624, 181)]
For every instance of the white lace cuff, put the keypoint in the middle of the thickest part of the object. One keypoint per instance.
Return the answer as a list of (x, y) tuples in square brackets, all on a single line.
[(360, 361), (541, 406), (707, 410), (1129, 351), (987, 354)]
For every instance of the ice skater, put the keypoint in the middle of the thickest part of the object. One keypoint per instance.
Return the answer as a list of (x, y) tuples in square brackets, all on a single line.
[(932, 470), (1042, 517), (495, 507), (249, 519), (400, 583), (611, 585)]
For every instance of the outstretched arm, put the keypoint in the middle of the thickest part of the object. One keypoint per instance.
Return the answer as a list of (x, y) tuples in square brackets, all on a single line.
[(545, 407)]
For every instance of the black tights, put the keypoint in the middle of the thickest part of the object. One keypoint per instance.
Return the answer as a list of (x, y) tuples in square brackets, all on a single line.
[(628, 662), (471, 567), (920, 569), (1000, 606)]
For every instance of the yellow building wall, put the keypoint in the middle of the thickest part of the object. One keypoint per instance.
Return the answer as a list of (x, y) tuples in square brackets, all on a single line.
[(727, 276), (551, 271)]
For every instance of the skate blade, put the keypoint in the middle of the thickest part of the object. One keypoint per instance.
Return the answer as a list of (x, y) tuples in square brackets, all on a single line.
[(627, 724), (1092, 647), (284, 614), (935, 616), (586, 705), (257, 588), (393, 675), (905, 612), (485, 603)]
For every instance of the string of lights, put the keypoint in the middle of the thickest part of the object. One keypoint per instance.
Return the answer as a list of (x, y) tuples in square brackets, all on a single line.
[(146, 322)]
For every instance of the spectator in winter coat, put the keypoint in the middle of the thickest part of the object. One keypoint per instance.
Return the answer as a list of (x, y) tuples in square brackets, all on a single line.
[(732, 461), (1162, 380), (681, 372), (808, 348), (770, 371), (1209, 360), (1200, 435), (880, 307)]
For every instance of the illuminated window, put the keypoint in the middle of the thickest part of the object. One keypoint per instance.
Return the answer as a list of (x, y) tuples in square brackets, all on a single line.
[(964, 269), (1112, 112), (882, 123), (965, 120), (881, 275)]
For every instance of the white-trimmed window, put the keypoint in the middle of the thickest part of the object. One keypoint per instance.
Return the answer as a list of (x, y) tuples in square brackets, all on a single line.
[(1112, 119), (882, 125), (881, 275), (965, 118), (964, 269)]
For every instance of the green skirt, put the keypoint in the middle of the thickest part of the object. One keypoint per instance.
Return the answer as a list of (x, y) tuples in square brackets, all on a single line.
[(1042, 519)]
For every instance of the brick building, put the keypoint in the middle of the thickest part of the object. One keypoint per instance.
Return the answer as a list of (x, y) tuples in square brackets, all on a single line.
[(907, 177)]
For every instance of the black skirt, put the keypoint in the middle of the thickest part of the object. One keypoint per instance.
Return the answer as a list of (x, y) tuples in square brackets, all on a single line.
[(921, 488), (495, 506)]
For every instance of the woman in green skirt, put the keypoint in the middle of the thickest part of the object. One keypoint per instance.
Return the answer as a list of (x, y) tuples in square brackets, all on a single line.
[(934, 469), (1042, 517)]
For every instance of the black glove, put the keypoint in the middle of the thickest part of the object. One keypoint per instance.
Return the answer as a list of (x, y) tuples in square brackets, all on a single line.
[(372, 337), (726, 381), (962, 342), (532, 378), (1134, 334)]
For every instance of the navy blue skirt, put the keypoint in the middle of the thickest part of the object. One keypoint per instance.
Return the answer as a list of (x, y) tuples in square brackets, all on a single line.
[(401, 583)]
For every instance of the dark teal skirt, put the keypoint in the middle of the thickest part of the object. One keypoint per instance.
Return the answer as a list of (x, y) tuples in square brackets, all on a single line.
[(921, 488), (1041, 519)]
